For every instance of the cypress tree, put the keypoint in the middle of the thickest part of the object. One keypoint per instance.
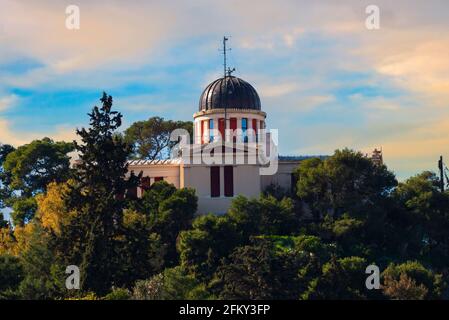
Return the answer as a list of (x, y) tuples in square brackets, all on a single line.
[(98, 197)]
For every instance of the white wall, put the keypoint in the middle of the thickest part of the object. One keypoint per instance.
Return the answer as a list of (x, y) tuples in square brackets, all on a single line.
[(170, 173), (282, 176), (246, 182)]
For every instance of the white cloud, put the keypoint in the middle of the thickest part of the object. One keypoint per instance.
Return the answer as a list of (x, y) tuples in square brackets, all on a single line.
[(17, 138), (277, 90), (290, 38), (310, 102), (8, 102)]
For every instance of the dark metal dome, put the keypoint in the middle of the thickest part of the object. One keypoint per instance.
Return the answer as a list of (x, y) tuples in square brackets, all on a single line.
[(229, 92)]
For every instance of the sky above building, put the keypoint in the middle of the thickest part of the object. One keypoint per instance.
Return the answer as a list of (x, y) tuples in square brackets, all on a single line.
[(324, 79)]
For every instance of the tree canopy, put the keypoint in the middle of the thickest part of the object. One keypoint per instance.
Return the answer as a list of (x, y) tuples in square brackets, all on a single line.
[(151, 138), (26, 172)]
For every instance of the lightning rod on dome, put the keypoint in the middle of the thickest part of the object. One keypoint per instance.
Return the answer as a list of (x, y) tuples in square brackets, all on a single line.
[(226, 72), (224, 51)]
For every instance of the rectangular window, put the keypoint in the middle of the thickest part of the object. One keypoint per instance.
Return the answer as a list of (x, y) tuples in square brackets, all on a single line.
[(203, 129), (211, 130), (145, 183), (233, 127), (221, 128), (214, 182), (244, 129), (228, 181), (156, 179), (256, 134)]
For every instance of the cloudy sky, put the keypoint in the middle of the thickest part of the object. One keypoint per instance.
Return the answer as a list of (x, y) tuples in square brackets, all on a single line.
[(325, 80)]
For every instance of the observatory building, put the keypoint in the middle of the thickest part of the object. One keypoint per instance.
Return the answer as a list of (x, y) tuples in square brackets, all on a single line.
[(230, 154)]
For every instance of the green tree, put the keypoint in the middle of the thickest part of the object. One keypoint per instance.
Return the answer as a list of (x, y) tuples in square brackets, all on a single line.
[(3, 222), (23, 209), (351, 203), (164, 212), (265, 215), (202, 247), (403, 288), (153, 197), (411, 280), (351, 236), (140, 250), (175, 214), (44, 275), (28, 170), (151, 138), (346, 182), (11, 274), (91, 238), (5, 178), (179, 285), (341, 278), (424, 219), (215, 237), (312, 186), (172, 284), (259, 271)]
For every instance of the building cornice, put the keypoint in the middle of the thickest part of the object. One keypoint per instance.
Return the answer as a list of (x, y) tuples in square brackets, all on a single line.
[(229, 110)]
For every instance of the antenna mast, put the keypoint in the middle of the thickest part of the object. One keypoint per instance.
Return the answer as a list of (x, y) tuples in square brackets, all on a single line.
[(224, 55), (225, 71)]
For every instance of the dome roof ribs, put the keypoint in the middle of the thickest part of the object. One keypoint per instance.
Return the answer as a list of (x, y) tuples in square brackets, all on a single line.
[(229, 92)]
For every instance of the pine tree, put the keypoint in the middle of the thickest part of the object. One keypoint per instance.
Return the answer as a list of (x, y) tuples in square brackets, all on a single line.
[(97, 196)]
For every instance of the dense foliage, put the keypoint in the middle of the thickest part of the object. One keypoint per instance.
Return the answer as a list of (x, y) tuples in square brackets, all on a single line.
[(26, 172), (150, 139), (346, 213)]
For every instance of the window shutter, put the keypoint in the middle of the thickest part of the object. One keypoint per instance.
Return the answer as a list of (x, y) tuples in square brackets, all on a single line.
[(214, 182), (229, 181)]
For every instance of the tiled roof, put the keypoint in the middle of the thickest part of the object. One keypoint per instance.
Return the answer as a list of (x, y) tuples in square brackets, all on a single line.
[(154, 162)]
